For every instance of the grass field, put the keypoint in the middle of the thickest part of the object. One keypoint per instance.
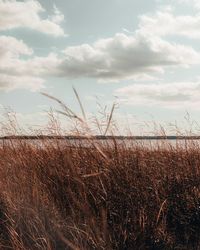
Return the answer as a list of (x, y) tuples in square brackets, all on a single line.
[(103, 196), (99, 197)]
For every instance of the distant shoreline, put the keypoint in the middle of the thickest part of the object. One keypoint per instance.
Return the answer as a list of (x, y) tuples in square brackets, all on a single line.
[(100, 137)]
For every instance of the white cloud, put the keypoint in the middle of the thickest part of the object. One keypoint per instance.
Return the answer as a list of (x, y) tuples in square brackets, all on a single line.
[(170, 95), (12, 67), (15, 14), (120, 57), (194, 3), (140, 56), (58, 17), (124, 57), (11, 47), (166, 23), (9, 82), (34, 66)]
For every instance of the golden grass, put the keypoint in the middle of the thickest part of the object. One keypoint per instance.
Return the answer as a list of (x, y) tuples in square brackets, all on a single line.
[(74, 198), (107, 196)]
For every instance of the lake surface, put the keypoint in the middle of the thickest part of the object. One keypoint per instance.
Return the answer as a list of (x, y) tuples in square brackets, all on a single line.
[(127, 143)]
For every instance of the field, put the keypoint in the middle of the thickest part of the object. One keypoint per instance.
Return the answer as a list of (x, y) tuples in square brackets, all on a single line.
[(93, 195), (101, 197)]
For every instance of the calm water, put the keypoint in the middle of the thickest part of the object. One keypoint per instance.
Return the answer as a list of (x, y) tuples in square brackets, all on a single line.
[(128, 143)]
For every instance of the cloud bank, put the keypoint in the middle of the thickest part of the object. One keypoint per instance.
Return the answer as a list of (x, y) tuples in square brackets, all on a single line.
[(170, 95), (112, 59), (11, 51), (124, 57), (26, 14), (145, 53), (165, 23)]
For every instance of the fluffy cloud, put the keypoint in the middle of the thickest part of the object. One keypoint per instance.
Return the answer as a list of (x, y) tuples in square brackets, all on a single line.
[(13, 69), (15, 14), (33, 66), (11, 46), (9, 82), (120, 57), (165, 94), (124, 57), (139, 56), (194, 3), (166, 23)]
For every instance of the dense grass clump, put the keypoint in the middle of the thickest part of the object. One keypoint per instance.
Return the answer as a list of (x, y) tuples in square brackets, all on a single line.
[(99, 197)]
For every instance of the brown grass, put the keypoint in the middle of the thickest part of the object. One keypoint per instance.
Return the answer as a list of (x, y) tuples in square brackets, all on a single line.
[(74, 198), (107, 196)]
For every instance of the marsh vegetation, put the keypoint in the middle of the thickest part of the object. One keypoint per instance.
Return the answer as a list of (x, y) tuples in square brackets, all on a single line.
[(105, 196)]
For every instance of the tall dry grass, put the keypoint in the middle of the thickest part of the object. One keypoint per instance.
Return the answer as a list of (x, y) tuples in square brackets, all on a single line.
[(75, 198), (103, 196)]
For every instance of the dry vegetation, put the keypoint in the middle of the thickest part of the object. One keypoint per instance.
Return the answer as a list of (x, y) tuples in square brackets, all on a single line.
[(78, 198), (99, 197)]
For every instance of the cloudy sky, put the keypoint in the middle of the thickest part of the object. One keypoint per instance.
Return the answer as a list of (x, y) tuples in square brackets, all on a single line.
[(143, 54)]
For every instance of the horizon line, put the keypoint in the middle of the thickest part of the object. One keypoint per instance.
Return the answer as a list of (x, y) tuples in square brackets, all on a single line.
[(101, 137)]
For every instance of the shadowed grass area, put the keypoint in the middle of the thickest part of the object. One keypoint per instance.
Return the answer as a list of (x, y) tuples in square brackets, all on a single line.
[(110, 197)]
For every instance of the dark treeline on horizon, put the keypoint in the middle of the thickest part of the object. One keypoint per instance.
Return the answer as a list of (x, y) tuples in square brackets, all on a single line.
[(101, 137)]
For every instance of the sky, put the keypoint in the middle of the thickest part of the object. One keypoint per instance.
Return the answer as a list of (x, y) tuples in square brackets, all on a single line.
[(142, 55)]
